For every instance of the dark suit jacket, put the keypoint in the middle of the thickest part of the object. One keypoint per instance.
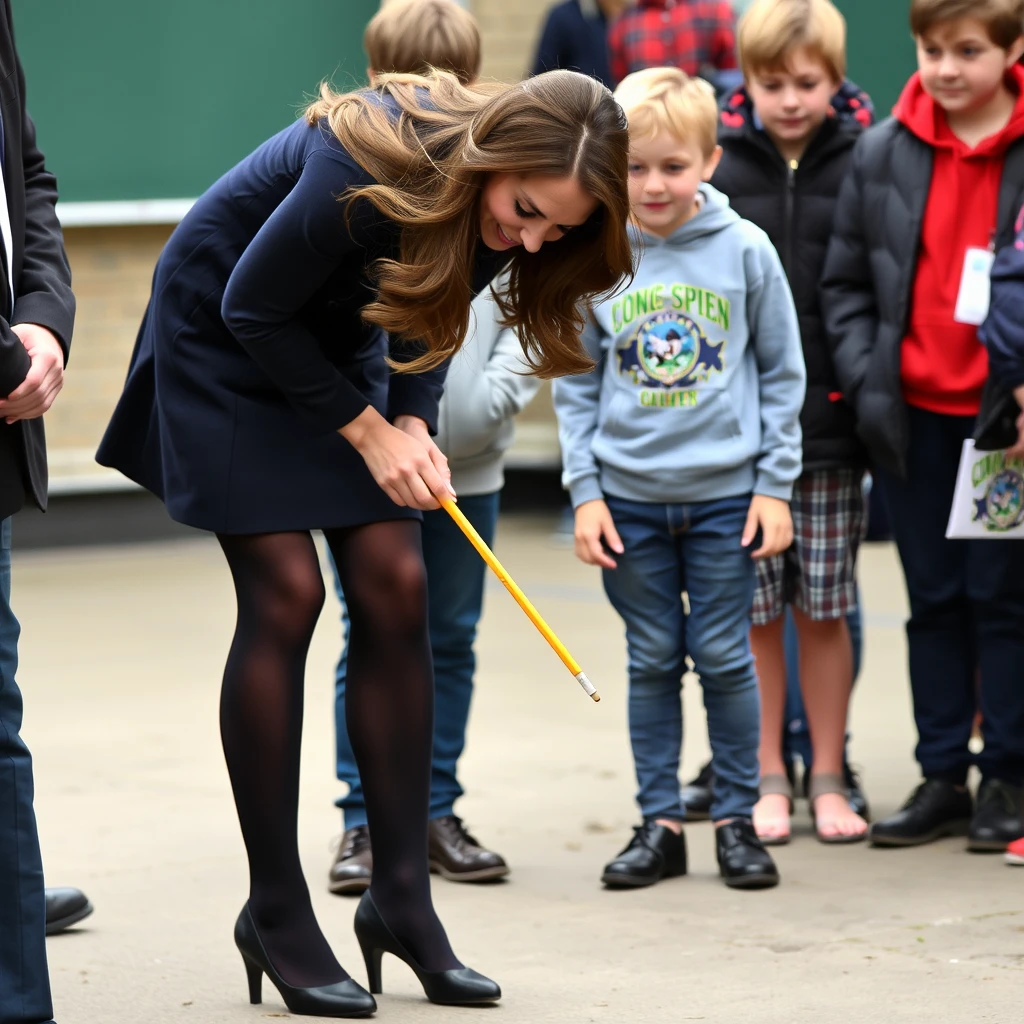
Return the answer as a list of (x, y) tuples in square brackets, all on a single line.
[(40, 276)]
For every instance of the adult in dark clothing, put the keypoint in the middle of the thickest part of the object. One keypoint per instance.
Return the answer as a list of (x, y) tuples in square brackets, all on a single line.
[(259, 406), (37, 312), (575, 37), (943, 176)]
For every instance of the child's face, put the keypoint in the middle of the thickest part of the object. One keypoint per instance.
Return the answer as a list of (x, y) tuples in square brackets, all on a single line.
[(792, 103), (664, 175), (531, 210), (961, 68)]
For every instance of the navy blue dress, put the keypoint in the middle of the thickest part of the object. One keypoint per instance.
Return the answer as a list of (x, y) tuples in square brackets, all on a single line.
[(252, 352)]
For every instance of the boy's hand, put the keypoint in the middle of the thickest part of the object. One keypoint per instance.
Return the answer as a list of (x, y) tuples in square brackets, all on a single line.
[(594, 522), (773, 517), (1017, 451)]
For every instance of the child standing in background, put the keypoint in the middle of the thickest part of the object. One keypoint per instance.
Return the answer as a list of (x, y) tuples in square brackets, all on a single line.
[(486, 386), (786, 136)]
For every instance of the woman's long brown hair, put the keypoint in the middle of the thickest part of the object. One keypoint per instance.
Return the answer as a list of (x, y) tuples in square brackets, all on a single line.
[(431, 163)]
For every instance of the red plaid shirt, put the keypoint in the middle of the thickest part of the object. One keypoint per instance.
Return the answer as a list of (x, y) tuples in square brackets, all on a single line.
[(688, 34)]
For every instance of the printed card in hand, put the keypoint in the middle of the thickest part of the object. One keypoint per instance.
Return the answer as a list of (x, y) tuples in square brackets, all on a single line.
[(988, 501)]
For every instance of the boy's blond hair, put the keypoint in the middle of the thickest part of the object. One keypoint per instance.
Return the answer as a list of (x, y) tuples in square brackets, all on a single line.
[(411, 36), (771, 30), (668, 100), (1003, 19)]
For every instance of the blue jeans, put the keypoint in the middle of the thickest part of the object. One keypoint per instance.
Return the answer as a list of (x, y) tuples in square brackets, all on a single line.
[(24, 981), (696, 548), (455, 596), (796, 740)]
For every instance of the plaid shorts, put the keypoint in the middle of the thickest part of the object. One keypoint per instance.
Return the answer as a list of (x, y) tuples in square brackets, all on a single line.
[(817, 573)]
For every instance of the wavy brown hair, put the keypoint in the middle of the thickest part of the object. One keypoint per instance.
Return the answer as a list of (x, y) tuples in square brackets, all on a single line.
[(431, 149)]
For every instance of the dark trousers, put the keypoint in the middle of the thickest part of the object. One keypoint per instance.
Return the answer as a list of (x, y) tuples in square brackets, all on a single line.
[(966, 615), (24, 983)]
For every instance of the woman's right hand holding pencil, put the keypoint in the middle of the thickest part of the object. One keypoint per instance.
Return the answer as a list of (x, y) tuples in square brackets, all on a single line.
[(595, 530), (403, 458)]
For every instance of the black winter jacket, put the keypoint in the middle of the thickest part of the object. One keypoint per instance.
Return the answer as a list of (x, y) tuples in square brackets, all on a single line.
[(869, 274), (795, 206)]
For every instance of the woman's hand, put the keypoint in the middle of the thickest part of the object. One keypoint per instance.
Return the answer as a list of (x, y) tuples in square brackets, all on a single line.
[(593, 524), (772, 515), (405, 462)]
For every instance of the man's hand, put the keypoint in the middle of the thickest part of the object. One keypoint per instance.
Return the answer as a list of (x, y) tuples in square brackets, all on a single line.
[(594, 524), (35, 394), (772, 515), (1017, 451)]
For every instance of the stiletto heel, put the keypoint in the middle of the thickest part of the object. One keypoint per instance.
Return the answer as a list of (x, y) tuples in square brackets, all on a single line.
[(459, 987), (255, 975), (373, 957), (343, 999)]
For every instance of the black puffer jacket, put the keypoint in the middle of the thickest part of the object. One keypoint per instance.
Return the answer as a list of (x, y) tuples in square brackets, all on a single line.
[(795, 205), (869, 274)]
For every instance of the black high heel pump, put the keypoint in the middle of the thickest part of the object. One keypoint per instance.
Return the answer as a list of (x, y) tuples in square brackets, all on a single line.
[(343, 999), (461, 986)]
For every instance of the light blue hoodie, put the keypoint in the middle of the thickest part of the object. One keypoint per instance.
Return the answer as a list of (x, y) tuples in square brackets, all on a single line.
[(700, 374)]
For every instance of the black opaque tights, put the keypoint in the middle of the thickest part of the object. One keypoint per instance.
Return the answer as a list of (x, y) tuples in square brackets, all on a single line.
[(389, 709)]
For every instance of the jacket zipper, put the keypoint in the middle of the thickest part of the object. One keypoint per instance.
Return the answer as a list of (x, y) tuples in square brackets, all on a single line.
[(787, 259)]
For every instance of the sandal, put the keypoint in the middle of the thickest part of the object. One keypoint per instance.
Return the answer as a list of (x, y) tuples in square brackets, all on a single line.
[(776, 785), (821, 785)]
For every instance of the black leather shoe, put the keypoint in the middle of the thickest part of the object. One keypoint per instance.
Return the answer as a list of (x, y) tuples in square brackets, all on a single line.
[(998, 819), (935, 809), (457, 856), (353, 866), (655, 852), (696, 795), (743, 861), (65, 907), (342, 999), (461, 986)]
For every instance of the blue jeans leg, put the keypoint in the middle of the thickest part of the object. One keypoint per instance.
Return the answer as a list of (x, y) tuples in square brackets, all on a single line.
[(646, 590), (455, 588), (719, 578), (455, 591), (24, 981)]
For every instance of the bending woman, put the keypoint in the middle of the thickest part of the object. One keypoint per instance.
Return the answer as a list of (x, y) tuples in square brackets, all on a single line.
[(260, 405)]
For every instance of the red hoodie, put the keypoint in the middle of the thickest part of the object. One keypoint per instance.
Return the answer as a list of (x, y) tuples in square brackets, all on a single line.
[(943, 365)]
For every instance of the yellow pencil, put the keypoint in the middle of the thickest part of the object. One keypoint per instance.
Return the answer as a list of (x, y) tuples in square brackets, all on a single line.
[(521, 599)]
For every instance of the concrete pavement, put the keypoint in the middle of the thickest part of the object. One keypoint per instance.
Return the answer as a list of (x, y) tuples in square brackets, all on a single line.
[(122, 652)]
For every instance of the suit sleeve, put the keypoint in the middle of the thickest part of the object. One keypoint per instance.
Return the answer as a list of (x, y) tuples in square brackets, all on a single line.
[(291, 257), (549, 49), (1003, 330), (847, 286), (416, 394), (42, 293)]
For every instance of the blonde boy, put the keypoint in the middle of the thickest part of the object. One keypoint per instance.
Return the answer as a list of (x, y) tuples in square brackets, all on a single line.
[(680, 450), (787, 134), (410, 36), (930, 192)]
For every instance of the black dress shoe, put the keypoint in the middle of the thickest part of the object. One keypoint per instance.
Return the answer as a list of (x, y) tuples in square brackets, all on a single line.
[(456, 855), (655, 852), (461, 986), (743, 861), (65, 907), (353, 866), (935, 809), (998, 819), (696, 795), (342, 999)]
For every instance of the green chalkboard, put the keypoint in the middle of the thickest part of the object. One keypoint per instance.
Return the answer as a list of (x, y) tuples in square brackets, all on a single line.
[(880, 50), (146, 99)]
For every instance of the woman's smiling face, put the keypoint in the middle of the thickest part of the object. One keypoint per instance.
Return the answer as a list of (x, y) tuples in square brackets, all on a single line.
[(529, 210)]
